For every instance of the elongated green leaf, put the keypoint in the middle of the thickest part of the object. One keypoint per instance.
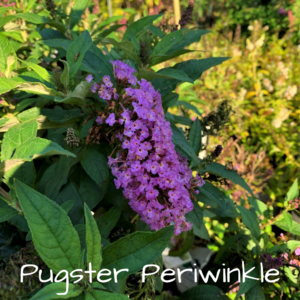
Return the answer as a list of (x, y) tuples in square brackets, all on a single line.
[(167, 42), (70, 192), (6, 50), (108, 221), (77, 50), (293, 192), (136, 250), (195, 136), (37, 147), (77, 10), (176, 74), (60, 115), (189, 106), (210, 195), (7, 84), (205, 292), (50, 291), (67, 206), (57, 175), (53, 235), (78, 96), (192, 36), (193, 68), (43, 73), (156, 59), (95, 164), (250, 220), (6, 212), (249, 283), (255, 293), (140, 25), (97, 63), (283, 222), (36, 88), (24, 172), (102, 295), (64, 77), (182, 143), (93, 241), (89, 191), (195, 216), (126, 46), (16, 136), (218, 169)]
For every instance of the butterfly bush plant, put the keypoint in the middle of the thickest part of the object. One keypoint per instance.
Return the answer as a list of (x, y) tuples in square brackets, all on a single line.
[(99, 175)]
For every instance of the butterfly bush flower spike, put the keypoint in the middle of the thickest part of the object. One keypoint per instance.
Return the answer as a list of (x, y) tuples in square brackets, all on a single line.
[(155, 178)]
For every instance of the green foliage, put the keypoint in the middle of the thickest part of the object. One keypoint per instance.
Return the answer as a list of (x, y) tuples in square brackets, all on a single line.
[(56, 185)]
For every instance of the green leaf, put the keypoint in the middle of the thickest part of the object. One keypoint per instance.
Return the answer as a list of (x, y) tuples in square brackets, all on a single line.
[(50, 291), (250, 220), (97, 63), (182, 143), (207, 292), (195, 136), (6, 50), (78, 96), (107, 221), (156, 59), (77, 50), (195, 216), (188, 239), (102, 295), (218, 169), (192, 36), (56, 176), (169, 100), (140, 25), (189, 106), (7, 84), (293, 192), (260, 207), (37, 147), (60, 115), (16, 136), (6, 212), (70, 192), (174, 73), (64, 77), (126, 46), (212, 196), (136, 250), (167, 42), (53, 235), (95, 164), (255, 293), (193, 68), (24, 172), (67, 206), (36, 88), (93, 241), (89, 191), (43, 73), (283, 222), (77, 10), (249, 283)]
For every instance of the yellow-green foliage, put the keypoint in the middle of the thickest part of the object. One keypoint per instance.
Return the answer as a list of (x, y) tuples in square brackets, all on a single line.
[(261, 81)]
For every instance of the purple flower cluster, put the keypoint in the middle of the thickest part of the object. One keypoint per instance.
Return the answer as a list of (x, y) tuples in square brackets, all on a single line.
[(270, 262), (154, 176), (123, 73), (105, 90)]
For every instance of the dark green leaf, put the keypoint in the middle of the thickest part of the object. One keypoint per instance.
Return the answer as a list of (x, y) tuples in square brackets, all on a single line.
[(195, 136), (136, 250), (53, 235), (107, 221), (250, 220)]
